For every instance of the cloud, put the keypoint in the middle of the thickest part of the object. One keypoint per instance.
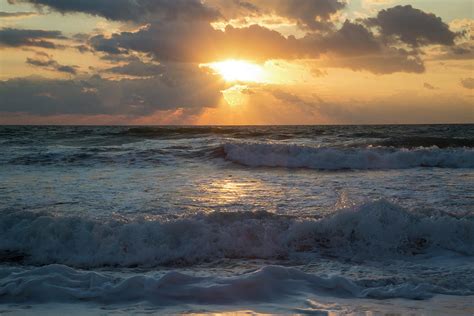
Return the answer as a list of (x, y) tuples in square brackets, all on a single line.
[(429, 86), (11, 37), (46, 61), (308, 14), (413, 26), (130, 10), (180, 31), (83, 48), (102, 44), (179, 86), (352, 39), (137, 68), (467, 83), (246, 5), (357, 48), (67, 69), (198, 42), (352, 46), (12, 15), (463, 51), (390, 61)]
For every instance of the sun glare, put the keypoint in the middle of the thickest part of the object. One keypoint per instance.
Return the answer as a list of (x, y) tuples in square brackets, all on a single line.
[(238, 70)]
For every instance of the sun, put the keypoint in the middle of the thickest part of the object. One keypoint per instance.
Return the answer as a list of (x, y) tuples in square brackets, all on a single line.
[(238, 70)]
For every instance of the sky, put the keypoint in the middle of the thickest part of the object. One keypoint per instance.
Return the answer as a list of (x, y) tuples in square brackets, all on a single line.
[(236, 62)]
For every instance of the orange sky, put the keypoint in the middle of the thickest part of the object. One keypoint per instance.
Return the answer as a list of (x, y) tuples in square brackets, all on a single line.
[(231, 62)]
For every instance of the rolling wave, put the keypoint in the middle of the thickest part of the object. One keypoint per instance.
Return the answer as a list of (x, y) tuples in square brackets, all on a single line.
[(426, 141), (296, 156), (370, 230), (58, 283)]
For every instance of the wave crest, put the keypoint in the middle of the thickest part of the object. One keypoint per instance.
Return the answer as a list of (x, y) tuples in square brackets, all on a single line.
[(58, 283), (373, 229), (296, 156)]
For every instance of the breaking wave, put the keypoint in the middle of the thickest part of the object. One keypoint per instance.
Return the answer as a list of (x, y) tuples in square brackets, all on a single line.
[(297, 156), (60, 283), (370, 230)]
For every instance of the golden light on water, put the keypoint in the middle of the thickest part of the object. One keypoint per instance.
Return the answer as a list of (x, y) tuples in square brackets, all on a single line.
[(239, 70)]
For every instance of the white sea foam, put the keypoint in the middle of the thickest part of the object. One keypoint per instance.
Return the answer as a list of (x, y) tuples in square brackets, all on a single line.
[(296, 156), (58, 283), (374, 229)]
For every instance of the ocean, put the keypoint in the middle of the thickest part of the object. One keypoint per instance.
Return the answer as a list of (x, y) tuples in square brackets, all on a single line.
[(322, 220)]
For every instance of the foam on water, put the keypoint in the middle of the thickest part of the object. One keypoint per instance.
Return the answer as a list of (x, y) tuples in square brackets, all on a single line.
[(58, 283), (297, 156), (375, 229), (129, 205)]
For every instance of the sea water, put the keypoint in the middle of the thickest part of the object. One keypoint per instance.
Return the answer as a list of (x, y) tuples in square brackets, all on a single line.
[(291, 219)]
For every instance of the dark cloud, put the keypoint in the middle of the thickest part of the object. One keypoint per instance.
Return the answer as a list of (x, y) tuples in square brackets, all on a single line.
[(198, 42), (40, 63), (47, 97), (137, 69), (83, 48), (115, 58), (352, 46), (389, 61), (373, 46), (46, 61), (67, 69), (16, 14), (247, 5), (460, 51), (467, 83), (179, 85), (413, 26), (463, 51), (352, 39), (39, 38), (130, 10), (100, 43), (309, 14)]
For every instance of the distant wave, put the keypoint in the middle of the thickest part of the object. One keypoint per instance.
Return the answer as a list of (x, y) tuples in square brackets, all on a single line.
[(326, 158), (111, 155), (426, 141), (196, 131), (373, 229), (378, 137), (58, 283), (90, 156)]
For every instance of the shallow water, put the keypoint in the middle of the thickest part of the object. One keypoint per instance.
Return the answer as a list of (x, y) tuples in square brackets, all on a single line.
[(190, 219)]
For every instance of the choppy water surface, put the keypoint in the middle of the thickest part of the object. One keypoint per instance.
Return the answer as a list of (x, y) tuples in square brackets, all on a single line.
[(217, 218)]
